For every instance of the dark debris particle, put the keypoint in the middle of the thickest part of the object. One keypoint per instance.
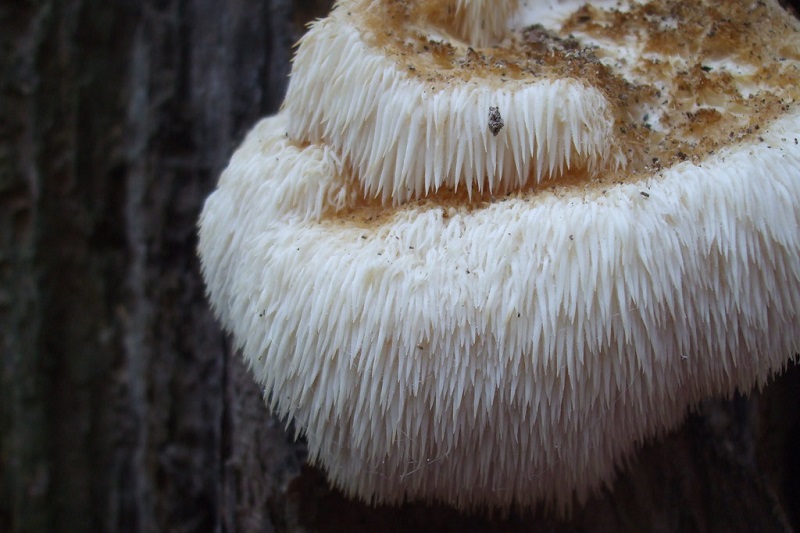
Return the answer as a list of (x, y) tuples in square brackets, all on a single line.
[(645, 194), (495, 120)]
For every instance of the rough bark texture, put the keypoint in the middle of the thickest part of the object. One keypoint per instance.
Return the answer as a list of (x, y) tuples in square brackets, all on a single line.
[(122, 407)]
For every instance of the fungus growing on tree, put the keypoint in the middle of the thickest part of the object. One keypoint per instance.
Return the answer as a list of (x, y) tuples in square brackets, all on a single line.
[(481, 264)]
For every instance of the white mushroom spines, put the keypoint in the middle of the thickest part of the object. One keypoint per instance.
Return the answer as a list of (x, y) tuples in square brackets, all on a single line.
[(479, 23), (413, 130), (491, 350)]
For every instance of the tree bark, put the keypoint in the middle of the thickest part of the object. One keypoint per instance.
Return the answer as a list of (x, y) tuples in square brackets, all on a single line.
[(122, 405)]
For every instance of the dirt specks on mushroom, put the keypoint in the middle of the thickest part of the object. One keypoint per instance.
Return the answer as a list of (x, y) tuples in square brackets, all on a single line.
[(495, 120)]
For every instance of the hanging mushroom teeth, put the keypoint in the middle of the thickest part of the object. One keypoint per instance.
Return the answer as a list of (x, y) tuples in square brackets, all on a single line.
[(479, 23), (481, 264)]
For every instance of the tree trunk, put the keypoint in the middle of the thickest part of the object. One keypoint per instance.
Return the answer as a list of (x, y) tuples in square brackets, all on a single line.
[(122, 405)]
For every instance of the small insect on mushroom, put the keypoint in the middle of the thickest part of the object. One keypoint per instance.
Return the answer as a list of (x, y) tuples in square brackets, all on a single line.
[(495, 120)]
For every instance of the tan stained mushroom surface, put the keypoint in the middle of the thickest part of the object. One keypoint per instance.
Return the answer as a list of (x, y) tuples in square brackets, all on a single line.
[(482, 262)]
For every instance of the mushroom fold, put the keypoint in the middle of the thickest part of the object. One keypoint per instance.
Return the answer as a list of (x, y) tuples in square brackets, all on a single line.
[(482, 263)]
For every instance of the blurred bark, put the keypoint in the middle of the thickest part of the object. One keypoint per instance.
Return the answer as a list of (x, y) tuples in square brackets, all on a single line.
[(122, 407)]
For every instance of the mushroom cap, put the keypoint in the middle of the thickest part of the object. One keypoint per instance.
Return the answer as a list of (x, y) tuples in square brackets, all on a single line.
[(488, 350)]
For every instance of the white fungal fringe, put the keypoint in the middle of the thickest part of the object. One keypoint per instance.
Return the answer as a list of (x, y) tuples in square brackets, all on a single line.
[(482, 22), (406, 139), (312, 185), (511, 353)]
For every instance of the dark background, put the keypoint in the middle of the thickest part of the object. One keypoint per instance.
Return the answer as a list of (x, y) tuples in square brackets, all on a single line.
[(122, 407)]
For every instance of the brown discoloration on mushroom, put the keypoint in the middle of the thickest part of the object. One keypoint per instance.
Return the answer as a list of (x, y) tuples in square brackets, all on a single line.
[(727, 34)]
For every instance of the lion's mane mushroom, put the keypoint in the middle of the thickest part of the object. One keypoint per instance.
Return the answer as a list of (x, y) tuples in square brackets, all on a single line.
[(449, 314)]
